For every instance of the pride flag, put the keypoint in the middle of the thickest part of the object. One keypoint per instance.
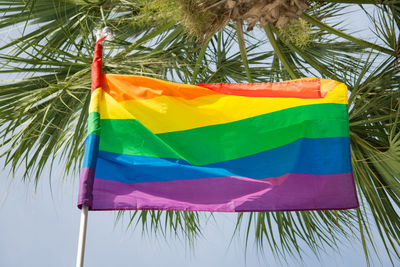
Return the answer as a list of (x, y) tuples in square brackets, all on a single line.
[(154, 144)]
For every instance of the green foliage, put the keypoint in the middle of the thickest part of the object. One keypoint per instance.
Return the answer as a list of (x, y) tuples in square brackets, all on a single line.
[(156, 12), (200, 17), (44, 102), (297, 32)]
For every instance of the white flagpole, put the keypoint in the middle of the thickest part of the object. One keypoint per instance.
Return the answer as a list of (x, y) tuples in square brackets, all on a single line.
[(82, 237), (108, 33)]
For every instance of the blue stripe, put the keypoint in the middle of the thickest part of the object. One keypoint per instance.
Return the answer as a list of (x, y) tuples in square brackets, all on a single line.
[(304, 156), (91, 151)]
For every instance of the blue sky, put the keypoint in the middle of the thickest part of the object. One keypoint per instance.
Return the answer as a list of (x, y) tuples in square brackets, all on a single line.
[(41, 229)]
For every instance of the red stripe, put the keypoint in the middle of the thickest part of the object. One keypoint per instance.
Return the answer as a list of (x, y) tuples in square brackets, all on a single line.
[(296, 89), (97, 65)]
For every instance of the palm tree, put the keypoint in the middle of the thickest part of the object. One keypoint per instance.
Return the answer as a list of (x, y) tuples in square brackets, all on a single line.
[(47, 57)]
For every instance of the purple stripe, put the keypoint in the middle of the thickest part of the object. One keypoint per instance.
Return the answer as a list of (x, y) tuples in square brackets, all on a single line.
[(289, 192), (86, 180)]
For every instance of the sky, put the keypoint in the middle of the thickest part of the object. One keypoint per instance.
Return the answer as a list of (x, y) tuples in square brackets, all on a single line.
[(41, 229)]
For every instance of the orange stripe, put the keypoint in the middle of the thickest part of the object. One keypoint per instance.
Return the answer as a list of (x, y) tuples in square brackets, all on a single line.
[(130, 87)]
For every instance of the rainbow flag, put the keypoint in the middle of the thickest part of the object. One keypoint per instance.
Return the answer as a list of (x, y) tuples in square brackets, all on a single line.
[(154, 144)]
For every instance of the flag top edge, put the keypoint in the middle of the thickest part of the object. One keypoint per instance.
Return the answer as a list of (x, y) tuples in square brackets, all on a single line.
[(131, 87)]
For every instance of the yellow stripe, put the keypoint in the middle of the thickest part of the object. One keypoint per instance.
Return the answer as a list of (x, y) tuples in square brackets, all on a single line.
[(95, 99), (329, 85), (168, 114)]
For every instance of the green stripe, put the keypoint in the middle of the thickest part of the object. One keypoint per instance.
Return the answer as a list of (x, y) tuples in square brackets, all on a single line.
[(93, 123), (227, 141)]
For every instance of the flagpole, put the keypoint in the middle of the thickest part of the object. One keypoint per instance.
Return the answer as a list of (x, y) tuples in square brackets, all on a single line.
[(84, 203), (82, 236)]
